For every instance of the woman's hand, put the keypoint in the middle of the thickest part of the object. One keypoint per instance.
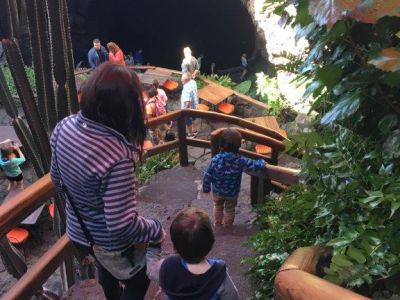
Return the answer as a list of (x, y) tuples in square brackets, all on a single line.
[(160, 241)]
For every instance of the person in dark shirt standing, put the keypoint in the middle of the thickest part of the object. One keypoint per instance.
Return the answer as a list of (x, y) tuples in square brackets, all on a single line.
[(97, 55)]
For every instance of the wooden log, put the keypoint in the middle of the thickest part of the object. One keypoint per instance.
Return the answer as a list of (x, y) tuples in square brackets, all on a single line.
[(41, 270), (265, 140), (294, 280), (215, 116), (282, 175), (299, 285), (158, 149), (198, 143), (254, 155), (25, 203), (172, 116), (183, 151)]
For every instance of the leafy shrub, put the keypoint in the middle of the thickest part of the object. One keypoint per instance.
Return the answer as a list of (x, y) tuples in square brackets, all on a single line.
[(268, 90), (223, 80), (155, 164), (349, 201)]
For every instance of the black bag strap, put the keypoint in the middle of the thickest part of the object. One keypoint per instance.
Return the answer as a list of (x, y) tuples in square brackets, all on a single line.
[(68, 196)]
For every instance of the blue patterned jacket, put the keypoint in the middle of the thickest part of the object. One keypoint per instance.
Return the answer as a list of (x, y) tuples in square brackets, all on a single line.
[(224, 173)]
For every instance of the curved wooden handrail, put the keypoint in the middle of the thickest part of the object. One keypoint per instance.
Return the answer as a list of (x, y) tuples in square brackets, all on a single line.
[(25, 203), (40, 271), (295, 279), (214, 116)]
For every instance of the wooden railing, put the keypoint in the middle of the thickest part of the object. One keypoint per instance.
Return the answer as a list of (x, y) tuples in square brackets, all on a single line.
[(24, 203), (295, 279)]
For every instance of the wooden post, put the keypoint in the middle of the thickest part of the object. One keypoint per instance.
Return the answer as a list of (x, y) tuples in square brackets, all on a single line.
[(274, 157), (183, 152), (254, 190)]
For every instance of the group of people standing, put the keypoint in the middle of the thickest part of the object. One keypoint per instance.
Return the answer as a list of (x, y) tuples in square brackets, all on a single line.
[(98, 54)]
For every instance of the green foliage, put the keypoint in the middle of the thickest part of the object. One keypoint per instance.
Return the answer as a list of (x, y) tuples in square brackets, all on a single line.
[(223, 80), (268, 90), (349, 199), (155, 164), (10, 82), (243, 87)]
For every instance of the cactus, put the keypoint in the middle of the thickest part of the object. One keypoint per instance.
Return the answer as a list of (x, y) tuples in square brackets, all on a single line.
[(60, 65), (36, 9), (26, 96), (9, 20)]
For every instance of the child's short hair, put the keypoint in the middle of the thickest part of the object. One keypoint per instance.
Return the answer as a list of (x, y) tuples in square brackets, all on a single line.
[(6, 151), (152, 92), (192, 234), (231, 140)]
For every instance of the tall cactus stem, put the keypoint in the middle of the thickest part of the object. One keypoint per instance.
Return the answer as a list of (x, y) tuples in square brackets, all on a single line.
[(37, 21), (25, 93)]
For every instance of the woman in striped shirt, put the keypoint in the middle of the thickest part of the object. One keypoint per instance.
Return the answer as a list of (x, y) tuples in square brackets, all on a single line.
[(93, 154)]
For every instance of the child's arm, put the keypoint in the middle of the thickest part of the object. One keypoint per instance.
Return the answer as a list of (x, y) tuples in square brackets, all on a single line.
[(21, 159), (252, 165), (208, 175), (227, 290), (154, 261)]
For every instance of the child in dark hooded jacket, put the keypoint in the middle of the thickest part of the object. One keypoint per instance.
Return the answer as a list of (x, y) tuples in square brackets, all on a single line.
[(190, 274)]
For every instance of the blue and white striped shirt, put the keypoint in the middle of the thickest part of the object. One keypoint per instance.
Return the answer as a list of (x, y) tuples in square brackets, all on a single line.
[(96, 164)]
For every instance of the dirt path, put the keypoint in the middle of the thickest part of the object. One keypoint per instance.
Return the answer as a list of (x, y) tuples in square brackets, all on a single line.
[(171, 190)]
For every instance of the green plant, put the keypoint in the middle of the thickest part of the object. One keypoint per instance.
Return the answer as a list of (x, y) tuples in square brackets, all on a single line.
[(155, 164), (268, 90), (223, 80), (349, 202), (243, 87)]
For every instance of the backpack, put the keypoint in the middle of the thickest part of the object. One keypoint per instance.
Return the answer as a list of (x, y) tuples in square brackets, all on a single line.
[(159, 109)]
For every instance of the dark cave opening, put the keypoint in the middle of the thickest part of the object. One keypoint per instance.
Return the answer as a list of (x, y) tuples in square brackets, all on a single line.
[(221, 30)]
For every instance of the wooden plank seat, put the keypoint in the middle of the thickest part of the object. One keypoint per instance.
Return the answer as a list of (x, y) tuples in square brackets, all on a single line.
[(214, 94), (17, 235), (226, 108), (170, 85), (203, 107)]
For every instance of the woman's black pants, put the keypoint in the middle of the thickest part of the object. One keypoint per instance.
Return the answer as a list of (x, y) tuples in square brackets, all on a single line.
[(134, 288)]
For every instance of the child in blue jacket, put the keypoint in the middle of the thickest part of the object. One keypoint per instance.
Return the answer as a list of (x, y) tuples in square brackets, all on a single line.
[(224, 173)]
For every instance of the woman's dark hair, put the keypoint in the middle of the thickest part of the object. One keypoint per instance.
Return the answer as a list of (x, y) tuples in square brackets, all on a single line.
[(152, 92), (112, 96), (231, 140), (156, 84), (192, 234)]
